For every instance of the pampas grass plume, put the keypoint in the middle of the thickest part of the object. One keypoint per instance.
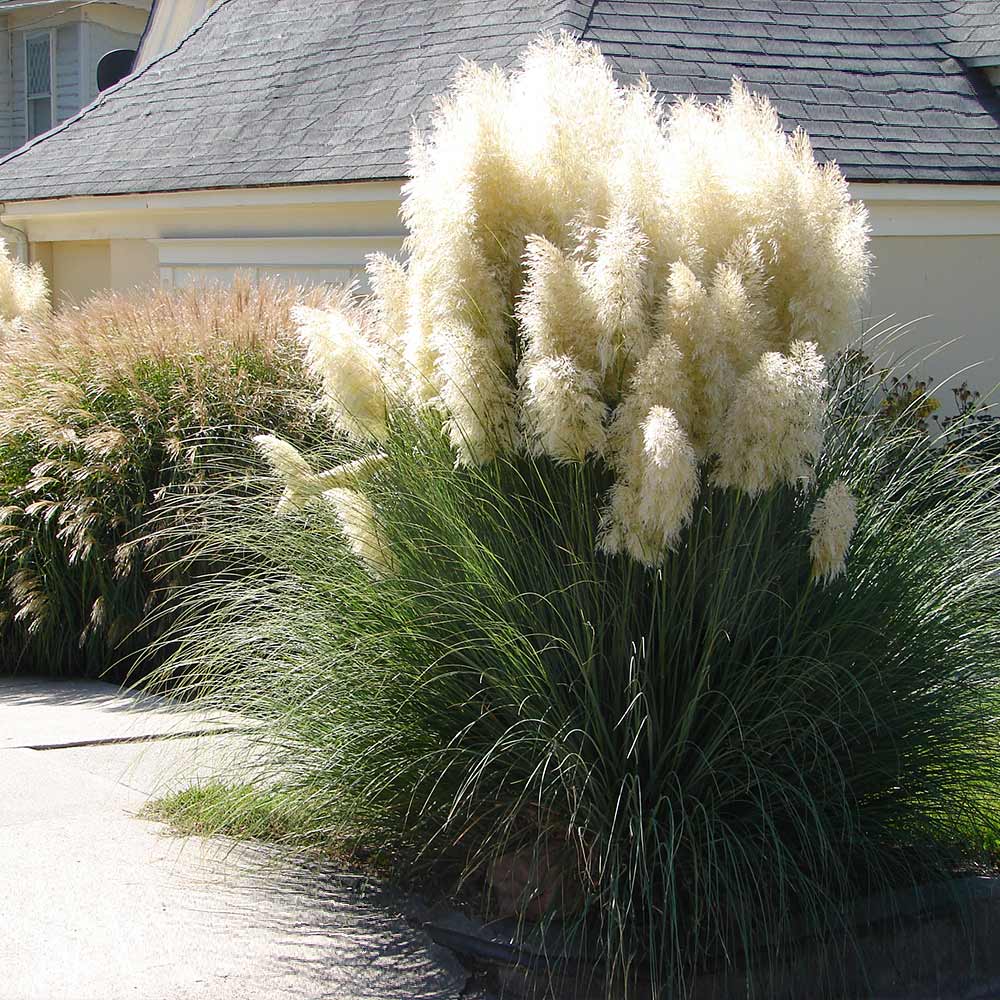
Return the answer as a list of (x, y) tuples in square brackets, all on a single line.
[(831, 528)]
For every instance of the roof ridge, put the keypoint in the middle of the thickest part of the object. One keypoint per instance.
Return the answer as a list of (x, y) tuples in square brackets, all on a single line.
[(972, 36), (103, 97)]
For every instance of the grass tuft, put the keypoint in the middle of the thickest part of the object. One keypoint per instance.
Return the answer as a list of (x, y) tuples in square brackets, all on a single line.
[(242, 811)]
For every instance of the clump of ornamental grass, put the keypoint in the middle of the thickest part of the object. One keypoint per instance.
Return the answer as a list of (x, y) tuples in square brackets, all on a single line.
[(611, 591), (103, 408), (694, 765), (596, 278)]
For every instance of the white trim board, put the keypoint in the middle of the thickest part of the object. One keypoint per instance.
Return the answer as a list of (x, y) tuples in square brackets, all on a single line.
[(371, 191), (872, 192), (933, 219), (895, 209)]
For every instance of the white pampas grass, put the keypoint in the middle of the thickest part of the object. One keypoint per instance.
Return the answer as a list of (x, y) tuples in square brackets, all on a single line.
[(347, 362), (285, 460), (592, 274), (390, 306), (659, 380), (361, 531), (562, 412), (652, 500), (555, 311), (354, 510), (831, 528), (565, 110), (419, 356), (24, 293), (618, 285), (390, 292), (774, 427), (302, 485), (282, 457), (475, 394)]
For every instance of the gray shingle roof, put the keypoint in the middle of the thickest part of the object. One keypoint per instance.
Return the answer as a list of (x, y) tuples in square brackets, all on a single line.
[(270, 92)]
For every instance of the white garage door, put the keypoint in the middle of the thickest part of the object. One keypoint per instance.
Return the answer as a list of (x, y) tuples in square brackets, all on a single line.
[(336, 260)]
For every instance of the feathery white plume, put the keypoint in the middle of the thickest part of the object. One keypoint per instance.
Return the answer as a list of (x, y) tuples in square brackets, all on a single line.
[(613, 278), (390, 304), (284, 458), (361, 530), (774, 427), (302, 485), (652, 500), (475, 394), (831, 528), (347, 362), (24, 292), (563, 414), (618, 285), (554, 309)]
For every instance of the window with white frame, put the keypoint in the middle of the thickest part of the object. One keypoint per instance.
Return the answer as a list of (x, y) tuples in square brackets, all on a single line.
[(38, 82)]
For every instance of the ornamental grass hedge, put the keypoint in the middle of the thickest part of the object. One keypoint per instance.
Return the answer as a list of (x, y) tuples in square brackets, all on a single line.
[(104, 409)]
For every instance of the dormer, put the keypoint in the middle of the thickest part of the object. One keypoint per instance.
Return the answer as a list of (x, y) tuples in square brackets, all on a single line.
[(169, 23)]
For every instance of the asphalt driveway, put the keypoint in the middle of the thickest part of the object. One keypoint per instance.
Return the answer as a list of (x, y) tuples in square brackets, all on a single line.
[(98, 904)]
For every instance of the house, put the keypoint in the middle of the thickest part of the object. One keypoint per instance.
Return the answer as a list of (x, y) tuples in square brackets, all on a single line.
[(49, 51), (273, 135)]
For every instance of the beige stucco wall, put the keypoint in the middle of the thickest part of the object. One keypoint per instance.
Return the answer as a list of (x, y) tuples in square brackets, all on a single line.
[(77, 269), (133, 263), (950, 287), (301, 235)]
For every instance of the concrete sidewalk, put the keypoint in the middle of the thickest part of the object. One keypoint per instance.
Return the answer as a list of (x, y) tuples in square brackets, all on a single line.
[(100, 905)]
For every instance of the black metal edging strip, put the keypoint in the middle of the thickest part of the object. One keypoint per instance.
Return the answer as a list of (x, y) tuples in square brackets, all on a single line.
[(495, 953)]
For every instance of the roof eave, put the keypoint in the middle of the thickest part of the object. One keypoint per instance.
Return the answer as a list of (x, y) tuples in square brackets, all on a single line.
[(387, 188)]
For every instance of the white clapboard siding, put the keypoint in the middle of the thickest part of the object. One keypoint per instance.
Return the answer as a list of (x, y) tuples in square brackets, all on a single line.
[(19, 131), (6, 92), (66, 77)]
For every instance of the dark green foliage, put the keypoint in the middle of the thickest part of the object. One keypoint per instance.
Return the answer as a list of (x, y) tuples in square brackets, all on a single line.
[(974, 427)]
